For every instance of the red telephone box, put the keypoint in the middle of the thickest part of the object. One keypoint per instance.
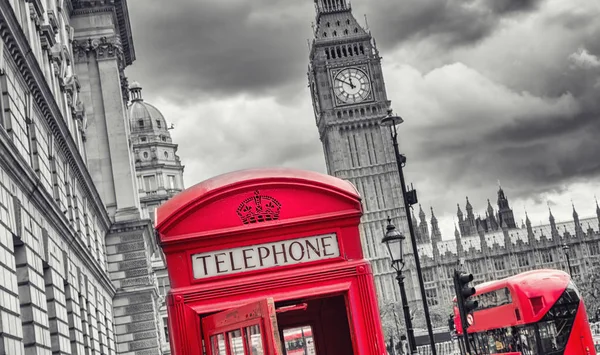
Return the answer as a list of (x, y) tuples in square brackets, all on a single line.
[(268, 261)]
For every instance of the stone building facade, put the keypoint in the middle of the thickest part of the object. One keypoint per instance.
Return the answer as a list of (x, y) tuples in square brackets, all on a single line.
[(159, 173), (492, 250), (75, 253), (349, 99)]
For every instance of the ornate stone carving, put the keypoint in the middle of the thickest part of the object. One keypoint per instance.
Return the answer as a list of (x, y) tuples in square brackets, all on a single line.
[(103, 47)]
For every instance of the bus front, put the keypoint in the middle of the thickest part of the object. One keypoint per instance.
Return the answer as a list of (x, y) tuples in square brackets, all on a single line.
[(537, 312)]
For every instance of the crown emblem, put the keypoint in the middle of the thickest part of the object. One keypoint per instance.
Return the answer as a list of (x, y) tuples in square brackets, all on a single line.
[(258, 208)]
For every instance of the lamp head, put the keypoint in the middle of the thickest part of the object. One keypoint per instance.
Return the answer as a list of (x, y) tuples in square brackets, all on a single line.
[(391, 120), (393, 240)]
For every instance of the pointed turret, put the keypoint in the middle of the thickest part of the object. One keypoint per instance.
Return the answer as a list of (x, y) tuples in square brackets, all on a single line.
[(491, 219), (468, 207), (436, 234), (578, 230), (458, 241), (423, 227), (505, 213), (418, 235), (459, 213), (530, 235), (555, 234)]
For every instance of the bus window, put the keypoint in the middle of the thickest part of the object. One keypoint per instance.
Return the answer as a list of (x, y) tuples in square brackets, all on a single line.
[(299, 341), (555, 327)]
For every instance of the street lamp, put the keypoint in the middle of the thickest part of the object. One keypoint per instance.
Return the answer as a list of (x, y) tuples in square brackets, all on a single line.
[(566, 248), (410, 198), (394, 240)]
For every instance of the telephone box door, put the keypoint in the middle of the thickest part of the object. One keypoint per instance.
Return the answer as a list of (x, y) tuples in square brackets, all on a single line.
[(250, 329)]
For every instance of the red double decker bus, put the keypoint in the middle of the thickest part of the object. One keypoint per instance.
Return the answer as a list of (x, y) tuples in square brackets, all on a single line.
[(532, 313)]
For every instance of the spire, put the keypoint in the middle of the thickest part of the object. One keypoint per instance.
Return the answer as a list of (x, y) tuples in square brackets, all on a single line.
[(436, 234), (456, 232), (459, 213), (575, 214), (415, 226), (530, 236), (469, 207), (433, 218), (421, 214), (555, 234), (522, 224), (490, 209)]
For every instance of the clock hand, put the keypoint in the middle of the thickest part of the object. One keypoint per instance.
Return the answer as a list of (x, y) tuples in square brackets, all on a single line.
[(345, 82)]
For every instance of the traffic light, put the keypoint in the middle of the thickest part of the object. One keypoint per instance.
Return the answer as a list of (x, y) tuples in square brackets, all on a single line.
[(451, 326), (465, 303)]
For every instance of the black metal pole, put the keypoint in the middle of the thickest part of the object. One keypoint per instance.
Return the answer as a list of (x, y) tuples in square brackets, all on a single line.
[(569, 263), (407, 321), (413, 240)]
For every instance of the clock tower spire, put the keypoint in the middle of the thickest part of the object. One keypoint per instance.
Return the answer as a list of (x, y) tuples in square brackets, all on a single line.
[(349, 100)]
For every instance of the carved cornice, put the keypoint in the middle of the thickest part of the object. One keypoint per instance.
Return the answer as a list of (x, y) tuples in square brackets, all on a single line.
[(19, 49), (103, 48), (121, 15)]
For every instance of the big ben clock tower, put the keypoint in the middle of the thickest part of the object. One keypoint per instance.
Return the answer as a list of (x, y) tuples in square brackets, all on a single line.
[(349, 100)]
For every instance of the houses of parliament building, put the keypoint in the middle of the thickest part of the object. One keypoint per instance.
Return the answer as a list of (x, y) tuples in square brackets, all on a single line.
[(495, 246)]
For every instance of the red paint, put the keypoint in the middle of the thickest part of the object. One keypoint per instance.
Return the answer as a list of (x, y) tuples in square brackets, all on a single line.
[(211, 222), (533, 294)]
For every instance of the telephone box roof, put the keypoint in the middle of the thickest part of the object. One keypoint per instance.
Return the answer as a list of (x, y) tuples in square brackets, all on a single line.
[(188, 197)]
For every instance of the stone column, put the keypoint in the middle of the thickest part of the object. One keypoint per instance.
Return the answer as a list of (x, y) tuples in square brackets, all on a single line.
[(109, 154)]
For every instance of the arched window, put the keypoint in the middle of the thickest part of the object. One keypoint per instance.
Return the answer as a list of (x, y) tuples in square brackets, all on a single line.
[(348, 21), (339, 114), (166, 154), (338, 22), (334, 33), (355, 30), (324, 34), (158, 124), (145, 155), (345, 32), (141, 123)]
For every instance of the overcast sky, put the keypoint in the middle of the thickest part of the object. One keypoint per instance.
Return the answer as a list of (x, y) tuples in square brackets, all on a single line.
[(490, 90)]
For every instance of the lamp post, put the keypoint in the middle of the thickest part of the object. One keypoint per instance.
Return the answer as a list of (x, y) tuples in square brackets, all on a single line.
[(566, 250), (393, 240), (410, 198)]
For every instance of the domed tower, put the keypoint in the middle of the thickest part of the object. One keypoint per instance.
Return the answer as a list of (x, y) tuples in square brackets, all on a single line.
[(157, 166)]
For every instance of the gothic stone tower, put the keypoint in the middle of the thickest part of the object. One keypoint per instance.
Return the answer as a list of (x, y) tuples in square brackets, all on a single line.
[(349, 99)]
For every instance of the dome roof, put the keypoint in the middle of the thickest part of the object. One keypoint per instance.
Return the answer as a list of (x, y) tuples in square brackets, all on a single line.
[(144, 117)]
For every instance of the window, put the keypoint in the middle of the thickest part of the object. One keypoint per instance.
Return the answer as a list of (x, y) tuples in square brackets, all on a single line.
[(150, 183), (166, 154), (152, 212), (163, 138), (158, 124), (499, 264), (475, 267), (145, 155), (431, 295), (555, 327), (166, 328), (171, 181), (143, 139), (141, 123), (547, 257), (427, 275), (594, 248), (523, 259)]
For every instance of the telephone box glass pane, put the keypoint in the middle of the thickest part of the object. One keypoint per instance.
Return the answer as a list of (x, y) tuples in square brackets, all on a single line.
[(218, 344), (235, 342), (299, 341), (254, 340)]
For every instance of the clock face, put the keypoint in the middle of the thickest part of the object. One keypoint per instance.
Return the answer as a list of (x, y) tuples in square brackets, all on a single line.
[(351, 85)]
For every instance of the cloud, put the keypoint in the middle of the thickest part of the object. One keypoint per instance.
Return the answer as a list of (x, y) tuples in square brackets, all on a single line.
[(243, 132), (443, 23), (212, 48)]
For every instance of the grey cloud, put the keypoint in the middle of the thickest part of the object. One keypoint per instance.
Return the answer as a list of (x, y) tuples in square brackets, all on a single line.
[(448, 23), (211, 48)]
